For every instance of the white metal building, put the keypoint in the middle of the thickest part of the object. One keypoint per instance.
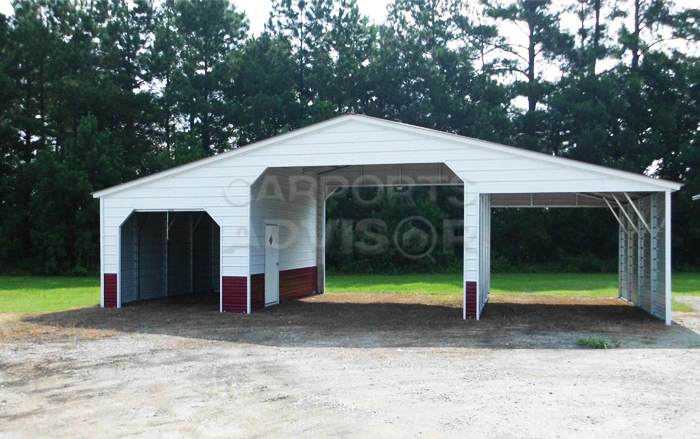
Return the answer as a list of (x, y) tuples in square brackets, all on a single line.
[(250, 223)]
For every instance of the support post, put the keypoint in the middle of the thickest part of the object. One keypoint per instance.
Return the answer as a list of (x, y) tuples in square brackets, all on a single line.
[(471, 251), (102, 252), (321, 236), (654, 243), (667, 254), (641, 266)]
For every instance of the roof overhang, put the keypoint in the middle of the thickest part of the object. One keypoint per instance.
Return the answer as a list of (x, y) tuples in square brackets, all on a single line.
[(425, 133)]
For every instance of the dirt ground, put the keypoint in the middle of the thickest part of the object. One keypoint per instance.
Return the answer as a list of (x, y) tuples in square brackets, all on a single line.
[(351, 366)]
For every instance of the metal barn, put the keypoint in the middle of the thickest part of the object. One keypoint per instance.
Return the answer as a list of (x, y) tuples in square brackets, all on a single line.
[(250, 223)]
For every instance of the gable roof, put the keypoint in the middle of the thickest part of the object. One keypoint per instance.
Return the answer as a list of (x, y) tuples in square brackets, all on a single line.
[(409, 129)]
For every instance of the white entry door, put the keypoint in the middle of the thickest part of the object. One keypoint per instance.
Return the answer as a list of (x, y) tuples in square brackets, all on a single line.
[(272, 265)]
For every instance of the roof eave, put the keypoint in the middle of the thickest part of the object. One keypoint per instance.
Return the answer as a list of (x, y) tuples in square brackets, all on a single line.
[(662, 185)]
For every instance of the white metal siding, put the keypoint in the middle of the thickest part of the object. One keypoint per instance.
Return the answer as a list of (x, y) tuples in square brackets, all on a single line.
[(393, 175), (484, 285), (221, 189), (129, 260), (643, 256), (658, 259), (321, 237), (623, 263), (471, 237), (288, 198)]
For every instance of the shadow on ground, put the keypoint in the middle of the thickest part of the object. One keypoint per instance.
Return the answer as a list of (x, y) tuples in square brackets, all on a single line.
[(375, 321)]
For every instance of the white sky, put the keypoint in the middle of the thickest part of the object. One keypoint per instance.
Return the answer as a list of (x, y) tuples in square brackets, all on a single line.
[(258, 11)]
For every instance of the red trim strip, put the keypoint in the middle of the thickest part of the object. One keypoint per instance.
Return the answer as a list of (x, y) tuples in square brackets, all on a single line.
[(470, 295), (110, 290)]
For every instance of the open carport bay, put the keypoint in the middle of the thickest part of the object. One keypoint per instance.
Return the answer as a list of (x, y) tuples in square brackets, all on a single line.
[(351, 365)]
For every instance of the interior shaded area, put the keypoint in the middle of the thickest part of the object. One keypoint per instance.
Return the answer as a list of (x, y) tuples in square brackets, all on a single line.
[(640, 239), (166, 254)]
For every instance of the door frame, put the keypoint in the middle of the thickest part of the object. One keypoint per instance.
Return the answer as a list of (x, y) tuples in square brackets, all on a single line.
[(277, 265)]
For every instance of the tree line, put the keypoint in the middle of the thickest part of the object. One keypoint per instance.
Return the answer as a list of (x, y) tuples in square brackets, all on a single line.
[(94, 93)]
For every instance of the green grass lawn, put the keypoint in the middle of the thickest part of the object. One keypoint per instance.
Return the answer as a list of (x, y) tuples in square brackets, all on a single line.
[(34, 295), (47, 294), (550, 284)]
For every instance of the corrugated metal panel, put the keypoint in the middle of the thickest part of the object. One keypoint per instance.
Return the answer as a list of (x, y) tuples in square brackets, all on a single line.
[(633, 265), (234, 295), (471, 233), (110, 290), (129, 259), (179, 247), (392, 175), (157, 263), (555, 199), (288, 198), (321, 239), (546, 200), (484, 252), (623, 263), (658, 250), (642, 255), (298, 283), (470, 299), (205, 250), (257, 291), (216, 256), (511, 200), (153, 261)]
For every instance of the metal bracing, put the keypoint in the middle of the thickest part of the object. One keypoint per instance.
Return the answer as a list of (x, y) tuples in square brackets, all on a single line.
[(617, 217), (641, 217), (624, 212), (194, 227)]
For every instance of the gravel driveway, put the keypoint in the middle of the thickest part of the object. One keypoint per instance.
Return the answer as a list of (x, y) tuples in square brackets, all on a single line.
[(351, 366)]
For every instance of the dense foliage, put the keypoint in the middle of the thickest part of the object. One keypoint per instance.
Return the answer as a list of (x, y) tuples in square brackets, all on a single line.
[(97, 92)]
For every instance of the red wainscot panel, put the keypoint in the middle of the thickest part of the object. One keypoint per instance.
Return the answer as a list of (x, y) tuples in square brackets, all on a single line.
[(257, 291), (470, 292), (110, 292), (234, 294), (294, 284), (298, 283)]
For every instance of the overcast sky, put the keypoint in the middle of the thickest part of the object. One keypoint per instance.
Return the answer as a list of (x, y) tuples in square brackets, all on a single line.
[(258, 11)]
